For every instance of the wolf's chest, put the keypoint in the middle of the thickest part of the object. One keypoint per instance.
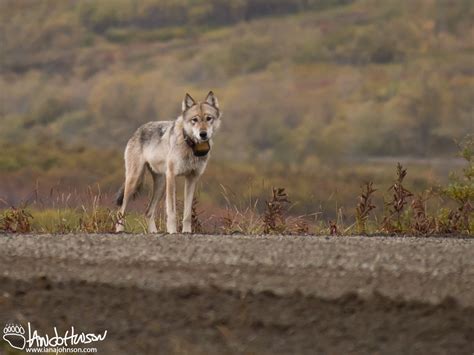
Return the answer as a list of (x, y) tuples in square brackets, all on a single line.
[(190, 164)]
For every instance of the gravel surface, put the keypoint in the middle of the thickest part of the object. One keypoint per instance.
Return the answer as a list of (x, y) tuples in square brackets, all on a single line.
[(245, 294)]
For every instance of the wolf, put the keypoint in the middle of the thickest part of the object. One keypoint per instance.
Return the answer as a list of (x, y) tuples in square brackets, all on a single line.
[(168, 149)]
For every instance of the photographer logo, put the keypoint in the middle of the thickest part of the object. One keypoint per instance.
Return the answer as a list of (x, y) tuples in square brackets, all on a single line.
[(32, 341)]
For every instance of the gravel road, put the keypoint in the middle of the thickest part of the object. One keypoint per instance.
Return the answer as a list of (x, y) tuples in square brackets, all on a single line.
[(193, 294)]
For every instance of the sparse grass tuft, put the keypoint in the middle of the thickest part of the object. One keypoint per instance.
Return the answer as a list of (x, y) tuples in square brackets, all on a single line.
[(461, 190), (246, 221), (333, 228), (16, 220), (455, 221), (392, 222), (98, 220), (421, 224), (239, 218), (274, 220), (364, 207), (298, 225)]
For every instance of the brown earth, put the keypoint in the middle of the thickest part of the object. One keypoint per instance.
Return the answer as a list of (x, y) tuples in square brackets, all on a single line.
[(194, 294)]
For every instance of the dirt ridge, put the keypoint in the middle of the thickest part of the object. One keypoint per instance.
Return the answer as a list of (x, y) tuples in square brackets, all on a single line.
[(245, 294)]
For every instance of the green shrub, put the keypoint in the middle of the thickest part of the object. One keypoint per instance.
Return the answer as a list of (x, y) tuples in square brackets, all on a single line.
[(461, 188)]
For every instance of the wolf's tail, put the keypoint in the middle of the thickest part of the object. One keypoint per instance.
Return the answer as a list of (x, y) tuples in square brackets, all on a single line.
[(121, 192), (119, 195)]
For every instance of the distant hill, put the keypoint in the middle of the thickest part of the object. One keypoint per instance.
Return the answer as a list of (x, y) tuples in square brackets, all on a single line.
[(303, 84)]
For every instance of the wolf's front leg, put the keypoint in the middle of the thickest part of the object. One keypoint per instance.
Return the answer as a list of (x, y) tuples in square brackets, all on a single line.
[(170, 201), (189, 186)]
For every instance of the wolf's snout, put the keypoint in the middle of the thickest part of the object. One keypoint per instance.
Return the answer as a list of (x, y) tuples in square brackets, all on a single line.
[(203, 134)]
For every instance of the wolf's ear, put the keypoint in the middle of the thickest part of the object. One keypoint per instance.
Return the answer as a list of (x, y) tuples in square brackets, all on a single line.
[(188, 102), (211, 99)]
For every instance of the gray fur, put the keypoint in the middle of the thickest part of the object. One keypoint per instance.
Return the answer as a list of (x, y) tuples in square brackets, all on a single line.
[(152, 131)]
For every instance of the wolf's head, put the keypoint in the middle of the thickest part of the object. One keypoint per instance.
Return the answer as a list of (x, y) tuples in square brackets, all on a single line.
[(201, 119)]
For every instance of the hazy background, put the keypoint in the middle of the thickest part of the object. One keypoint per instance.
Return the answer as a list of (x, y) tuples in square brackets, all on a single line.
[(318, 95)]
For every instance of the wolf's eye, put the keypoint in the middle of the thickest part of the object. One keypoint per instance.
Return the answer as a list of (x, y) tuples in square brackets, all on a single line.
[(194, 120), (209, 118)]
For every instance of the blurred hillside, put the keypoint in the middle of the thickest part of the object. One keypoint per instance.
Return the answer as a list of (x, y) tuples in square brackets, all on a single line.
[(314, 92)]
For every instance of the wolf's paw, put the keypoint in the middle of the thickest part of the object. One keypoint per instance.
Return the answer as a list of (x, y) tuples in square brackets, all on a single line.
[(14, 335), (119, 228), (171, 228), (152, 227)]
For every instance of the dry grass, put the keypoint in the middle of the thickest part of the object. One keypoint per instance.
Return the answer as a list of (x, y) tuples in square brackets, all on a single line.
[(392, 222), (421, 223), (16, 220), (404, 213), (364, 207), (274, 221), (457, 221), (333, 228)]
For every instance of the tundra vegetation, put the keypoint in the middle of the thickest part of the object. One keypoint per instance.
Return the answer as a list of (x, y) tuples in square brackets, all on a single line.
[(320, 97)]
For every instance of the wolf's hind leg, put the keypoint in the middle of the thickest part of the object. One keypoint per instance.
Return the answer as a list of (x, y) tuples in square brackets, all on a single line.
[(157, 194)]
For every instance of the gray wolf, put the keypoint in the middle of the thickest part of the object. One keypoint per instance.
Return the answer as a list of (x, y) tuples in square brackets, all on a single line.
[(168, 149)]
